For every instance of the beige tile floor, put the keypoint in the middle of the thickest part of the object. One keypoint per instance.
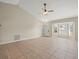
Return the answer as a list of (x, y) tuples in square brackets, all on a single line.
[(40, 48)]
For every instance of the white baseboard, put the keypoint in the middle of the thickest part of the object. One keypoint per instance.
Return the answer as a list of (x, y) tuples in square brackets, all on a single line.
[(18, 40)]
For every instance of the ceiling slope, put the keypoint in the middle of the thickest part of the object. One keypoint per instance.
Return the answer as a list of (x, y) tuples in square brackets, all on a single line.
[(62, 8), (15, 2)]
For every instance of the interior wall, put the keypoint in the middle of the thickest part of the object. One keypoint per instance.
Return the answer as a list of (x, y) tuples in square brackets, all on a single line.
[(72, 19), (17, 24)]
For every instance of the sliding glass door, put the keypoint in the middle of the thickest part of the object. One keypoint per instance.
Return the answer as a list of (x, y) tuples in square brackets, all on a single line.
[(64, 30)]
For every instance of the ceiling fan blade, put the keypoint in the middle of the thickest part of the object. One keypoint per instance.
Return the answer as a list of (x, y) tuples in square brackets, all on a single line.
[(50, 10), (45, 10)]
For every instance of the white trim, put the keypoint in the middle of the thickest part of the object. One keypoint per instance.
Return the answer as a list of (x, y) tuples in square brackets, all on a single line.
[(18, 40)]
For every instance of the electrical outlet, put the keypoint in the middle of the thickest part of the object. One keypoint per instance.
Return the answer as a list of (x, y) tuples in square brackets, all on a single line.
[(17, 37)]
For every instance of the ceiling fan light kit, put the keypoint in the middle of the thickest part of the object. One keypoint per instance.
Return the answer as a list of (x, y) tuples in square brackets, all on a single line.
[(45, 11)]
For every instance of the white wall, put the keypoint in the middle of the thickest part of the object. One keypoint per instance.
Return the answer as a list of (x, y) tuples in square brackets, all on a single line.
[(16, 21)]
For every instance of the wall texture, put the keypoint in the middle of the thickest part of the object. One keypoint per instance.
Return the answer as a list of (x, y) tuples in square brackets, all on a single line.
[(17, 24)]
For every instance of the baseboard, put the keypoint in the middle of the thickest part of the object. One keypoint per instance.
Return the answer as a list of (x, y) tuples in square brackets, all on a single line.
[(19, 40)]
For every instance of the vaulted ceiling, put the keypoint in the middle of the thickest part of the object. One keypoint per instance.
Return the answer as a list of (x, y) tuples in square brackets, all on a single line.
[(62, 8)]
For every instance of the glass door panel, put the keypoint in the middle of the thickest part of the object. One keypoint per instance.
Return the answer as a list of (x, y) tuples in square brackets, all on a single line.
[(64, 30)]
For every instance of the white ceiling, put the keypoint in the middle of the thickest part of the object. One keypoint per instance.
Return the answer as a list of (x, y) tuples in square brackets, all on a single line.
[(10, 1), (62, 8)]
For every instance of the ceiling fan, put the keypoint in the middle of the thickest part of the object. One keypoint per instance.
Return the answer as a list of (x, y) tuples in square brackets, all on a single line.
[(45, 11)]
